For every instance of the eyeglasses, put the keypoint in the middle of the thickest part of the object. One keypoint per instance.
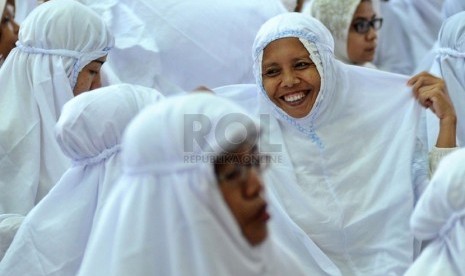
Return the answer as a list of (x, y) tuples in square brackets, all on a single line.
[(240, 173), (362, 26)]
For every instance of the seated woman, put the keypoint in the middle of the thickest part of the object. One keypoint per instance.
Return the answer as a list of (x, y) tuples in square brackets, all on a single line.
[(53, 236), (56, 58), (350, 169), (354, 25), (439, 218), (191, 200)]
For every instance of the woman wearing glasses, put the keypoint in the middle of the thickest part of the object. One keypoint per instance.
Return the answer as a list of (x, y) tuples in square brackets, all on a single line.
[(353, 24), (191, 199)]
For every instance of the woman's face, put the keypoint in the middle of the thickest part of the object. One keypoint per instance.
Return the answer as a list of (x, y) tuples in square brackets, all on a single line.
[(8, 32), (361, 46), (242, 190), (290, 77), (89, 77)]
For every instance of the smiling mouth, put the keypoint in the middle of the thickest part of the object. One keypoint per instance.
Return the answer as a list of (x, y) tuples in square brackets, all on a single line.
[(294, 99)]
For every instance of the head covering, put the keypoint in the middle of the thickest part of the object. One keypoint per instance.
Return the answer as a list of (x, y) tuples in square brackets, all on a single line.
[(336, 16), (53, 237), (212, 40), (167, 216), (440, 217), (449, 64), (352, 154), (55, 42)]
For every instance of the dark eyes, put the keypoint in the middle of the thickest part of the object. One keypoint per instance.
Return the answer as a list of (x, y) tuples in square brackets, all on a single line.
[(275, 70), (5, 19)]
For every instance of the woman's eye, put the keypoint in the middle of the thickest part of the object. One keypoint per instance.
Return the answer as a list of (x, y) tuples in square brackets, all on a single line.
[(271, 72), (302, 65), (5, 19)]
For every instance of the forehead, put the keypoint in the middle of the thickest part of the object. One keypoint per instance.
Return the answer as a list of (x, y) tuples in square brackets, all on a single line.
[(364, 10), (288, 46)]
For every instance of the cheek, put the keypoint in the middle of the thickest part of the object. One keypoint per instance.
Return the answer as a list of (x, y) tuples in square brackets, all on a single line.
[(233, 200), (269, 85)]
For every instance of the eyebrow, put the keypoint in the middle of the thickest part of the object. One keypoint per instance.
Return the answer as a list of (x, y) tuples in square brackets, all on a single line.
[(98, 61)]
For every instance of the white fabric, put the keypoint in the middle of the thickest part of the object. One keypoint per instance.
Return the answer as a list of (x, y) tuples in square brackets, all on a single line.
[(440, 217), (167, 216), (186, 43), (9, 224), (290, 5), (23, 8), (451, 7), (345, 173), (410, 28), (2, 6), (336, 16), (35, 86), (53, 237), (449, 64)]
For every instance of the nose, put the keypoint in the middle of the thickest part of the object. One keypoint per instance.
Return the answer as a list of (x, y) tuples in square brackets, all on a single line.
[(372, 34), (254, 185), (289, 79)]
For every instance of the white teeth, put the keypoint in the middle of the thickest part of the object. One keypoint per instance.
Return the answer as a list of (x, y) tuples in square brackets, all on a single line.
[(294, 97)]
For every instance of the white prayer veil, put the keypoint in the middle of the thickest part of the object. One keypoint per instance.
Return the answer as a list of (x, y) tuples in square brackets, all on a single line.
[(167, 215), (345, 173), (193, 43), (440, 217), (53, 237), (55, 42), (449, 64), (336, 16)]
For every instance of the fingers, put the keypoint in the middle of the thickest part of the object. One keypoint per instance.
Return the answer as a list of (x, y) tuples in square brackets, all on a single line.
[(423, 78), (433, 97)]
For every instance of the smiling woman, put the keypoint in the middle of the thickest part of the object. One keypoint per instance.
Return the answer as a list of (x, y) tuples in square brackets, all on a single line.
[(343, 130)]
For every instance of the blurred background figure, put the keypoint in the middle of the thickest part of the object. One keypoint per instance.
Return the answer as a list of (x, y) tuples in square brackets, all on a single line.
[(439, 219), (353, 25)]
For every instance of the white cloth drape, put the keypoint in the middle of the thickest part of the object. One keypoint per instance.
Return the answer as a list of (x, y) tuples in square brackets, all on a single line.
[(167, 216), (53, 237), (211, 39), (23, 8), (440, 217), (345, 176), (451, 7), (55, 42), (410, 28), (449, 64)]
